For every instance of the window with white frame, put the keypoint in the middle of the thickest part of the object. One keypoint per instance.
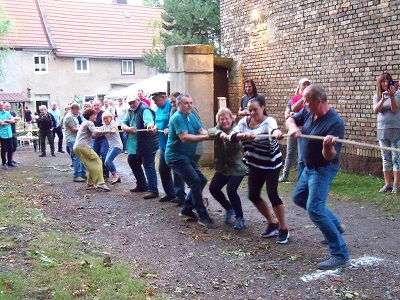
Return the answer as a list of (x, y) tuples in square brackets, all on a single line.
[(128, 67), (82, 65), (40, 63)]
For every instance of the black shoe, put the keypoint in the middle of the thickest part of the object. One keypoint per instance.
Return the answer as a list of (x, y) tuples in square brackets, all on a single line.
[(15, 162), (188, 214), (11, 165), (272, 230), (206, 222), (166, 198), (283, 236), (42, 155), (137, 190), (53, 154), (151, 195), (178, 201), (61, 151)]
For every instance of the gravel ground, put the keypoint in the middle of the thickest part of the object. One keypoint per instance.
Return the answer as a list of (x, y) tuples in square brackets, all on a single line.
[(182, 260)]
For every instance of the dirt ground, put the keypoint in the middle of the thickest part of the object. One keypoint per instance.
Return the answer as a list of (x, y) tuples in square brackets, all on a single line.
[(182, 260)]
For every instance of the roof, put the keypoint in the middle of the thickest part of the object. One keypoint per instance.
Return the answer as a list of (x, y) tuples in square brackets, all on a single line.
[(13, 97), (27, 29), (81, 29)]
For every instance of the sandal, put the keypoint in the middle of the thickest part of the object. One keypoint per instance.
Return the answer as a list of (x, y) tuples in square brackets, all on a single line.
[(115, 181), (385, 189), (394, 190)]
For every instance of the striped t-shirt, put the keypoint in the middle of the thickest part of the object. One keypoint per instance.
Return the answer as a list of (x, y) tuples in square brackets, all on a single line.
[(261, 153)]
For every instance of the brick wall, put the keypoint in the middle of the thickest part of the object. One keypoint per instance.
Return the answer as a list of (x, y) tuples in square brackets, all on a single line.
[(343, 45)]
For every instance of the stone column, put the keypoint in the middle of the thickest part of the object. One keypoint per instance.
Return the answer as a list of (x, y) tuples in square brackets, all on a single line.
[(191, 70)]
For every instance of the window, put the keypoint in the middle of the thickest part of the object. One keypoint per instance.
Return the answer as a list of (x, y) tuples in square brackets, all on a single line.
[(127, 67), (40, 64), (82, 65)]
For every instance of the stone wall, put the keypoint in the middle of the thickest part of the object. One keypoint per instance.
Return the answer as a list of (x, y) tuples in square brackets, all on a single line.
[(343, 45)]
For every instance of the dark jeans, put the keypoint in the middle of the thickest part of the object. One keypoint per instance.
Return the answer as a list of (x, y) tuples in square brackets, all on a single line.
[(79, 168), (179, 184), (42, 141), (232, 184), (6, 147), (190, 173), (124, 136), (165, 175), (100, 146), (58, 131), (136, 162)]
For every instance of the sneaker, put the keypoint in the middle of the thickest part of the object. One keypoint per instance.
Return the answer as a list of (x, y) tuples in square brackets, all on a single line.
[(240, 223), (206, 222), (61, 151), (283, 178), (5, 167), (283, 236), (188, 214), (385, 189), (272, 230), (333, 263), (229, 215), (103, 187), (394, 190), (78, 179), (42, 155), (12, 165), (16, 162), (151, 195), (53, 154)]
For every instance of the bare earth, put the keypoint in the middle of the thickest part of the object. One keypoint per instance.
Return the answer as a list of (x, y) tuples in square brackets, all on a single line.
[(182, 260)]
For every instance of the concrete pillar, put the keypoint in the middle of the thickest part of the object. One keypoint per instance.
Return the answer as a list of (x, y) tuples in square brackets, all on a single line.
[(191, 69)]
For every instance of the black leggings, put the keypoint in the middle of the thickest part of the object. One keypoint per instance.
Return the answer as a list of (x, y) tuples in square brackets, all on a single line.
[(257, 178)]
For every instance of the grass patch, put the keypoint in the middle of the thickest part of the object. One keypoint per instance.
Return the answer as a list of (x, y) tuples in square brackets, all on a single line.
[(40, 260)]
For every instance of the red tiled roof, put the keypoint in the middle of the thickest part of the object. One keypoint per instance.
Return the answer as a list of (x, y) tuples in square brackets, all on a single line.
[(27, 27), (81, 29), (13, 97)]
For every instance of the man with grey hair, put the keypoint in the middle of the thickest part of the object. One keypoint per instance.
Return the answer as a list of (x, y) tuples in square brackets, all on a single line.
[(46, 123), (185, 131), (71, 125), (7, 107), (5, 136), (321, 159)]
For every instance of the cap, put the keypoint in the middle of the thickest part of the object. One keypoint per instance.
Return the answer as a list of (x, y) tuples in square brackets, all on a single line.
[(131, 100), (158, 94), (301, 81)]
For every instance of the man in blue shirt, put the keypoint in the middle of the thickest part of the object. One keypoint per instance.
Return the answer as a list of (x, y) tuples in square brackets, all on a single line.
[(164, 107), (6, 137), (57, 128), (321, 159), (185, 131)]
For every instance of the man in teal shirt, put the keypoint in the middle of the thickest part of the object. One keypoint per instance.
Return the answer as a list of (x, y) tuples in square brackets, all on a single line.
[(6, 137)]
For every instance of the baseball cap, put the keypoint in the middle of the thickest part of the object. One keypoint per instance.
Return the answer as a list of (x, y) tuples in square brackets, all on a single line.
[(302, 80), (158, 94)]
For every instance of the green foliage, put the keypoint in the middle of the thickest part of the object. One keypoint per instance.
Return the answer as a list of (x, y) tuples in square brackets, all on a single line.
[(185, 22), (5, 27), (152, 3)]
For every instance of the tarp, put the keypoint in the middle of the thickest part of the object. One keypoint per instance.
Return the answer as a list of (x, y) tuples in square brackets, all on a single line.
[(157, 83)]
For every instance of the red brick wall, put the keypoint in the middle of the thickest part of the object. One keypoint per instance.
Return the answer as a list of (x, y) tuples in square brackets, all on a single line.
[(343, 45)]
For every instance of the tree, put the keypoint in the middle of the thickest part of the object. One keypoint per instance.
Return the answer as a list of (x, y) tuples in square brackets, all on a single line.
[(185, 22), (5, 27)]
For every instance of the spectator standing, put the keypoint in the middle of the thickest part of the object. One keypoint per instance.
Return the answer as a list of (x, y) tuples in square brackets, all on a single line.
[(184, 132), (46, 123), (386, 103), (250, 93), (142, 145), (164, 107), (6, 137), (71, 125), (57, 129), (294, 106), (28, 115), (229, 168), (141, 97), (321, 159), (121, 109), (7, 107)]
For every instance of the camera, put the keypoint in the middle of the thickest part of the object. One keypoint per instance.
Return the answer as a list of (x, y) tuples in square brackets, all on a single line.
[(393, 83)]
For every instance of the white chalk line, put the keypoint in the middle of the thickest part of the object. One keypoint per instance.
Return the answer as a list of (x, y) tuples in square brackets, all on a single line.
[(363, 261)]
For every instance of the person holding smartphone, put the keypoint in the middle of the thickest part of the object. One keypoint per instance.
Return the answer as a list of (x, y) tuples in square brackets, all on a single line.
[(386, 104)]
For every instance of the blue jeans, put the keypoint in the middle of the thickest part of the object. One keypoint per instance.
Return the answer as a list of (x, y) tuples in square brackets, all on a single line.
[(311, 193), (79, 168), (165, 175), (136, 162), (300, 163), (190, 173), (232, 184), (100, 146), (111, 155)]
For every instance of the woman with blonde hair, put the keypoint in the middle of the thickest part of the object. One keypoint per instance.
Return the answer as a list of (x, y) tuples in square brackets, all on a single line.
[(229, 168), (386, 103)]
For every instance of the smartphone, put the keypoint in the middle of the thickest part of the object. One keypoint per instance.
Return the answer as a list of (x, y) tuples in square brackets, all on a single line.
[(394, 83)]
